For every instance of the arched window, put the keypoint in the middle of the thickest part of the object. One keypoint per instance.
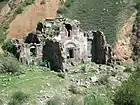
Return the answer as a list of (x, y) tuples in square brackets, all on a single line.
[(69, 28), (33, 51)]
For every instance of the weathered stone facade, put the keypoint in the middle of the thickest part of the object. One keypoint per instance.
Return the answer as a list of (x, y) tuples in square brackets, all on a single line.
[(62, 40), (98, 49)]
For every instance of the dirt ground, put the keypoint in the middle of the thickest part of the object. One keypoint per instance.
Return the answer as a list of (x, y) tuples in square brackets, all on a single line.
[(27, 21)]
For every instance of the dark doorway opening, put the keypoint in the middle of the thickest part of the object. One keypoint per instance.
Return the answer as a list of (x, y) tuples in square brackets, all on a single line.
[(69, 28), (32, 38), (70, 53), (33, 51)]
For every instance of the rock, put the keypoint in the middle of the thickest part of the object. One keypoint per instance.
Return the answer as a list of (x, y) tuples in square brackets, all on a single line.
[(94, 79), (48, 84), (114, 80)]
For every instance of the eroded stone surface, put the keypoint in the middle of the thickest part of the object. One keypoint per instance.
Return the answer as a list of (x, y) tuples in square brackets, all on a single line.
[(62, 40)]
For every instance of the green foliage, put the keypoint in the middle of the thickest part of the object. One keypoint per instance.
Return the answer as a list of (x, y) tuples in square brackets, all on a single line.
[(138, 14), (75, 100), (22, 6), (55, 101), (103, 79), (19, 9), (3, 33), (9, 64), (129, 92), (8, 46), (126, 97), (74, 89), (1, 102), (105, 15), (68, 3), (29, 2), (61, 10), (62, 75), (83, 68), (18, 98), (95, 99)]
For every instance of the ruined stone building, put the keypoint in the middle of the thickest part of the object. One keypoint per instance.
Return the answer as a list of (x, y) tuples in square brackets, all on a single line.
[(59, 41)]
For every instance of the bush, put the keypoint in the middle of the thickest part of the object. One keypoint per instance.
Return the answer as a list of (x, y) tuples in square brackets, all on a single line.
[(126, 97), (129, 92), (9, 64), (1, 102), (3, 33), (104, 79), (29, 2), (61, 10), (74, 89), (20, 9), (8, 46), (62, 75), (55, 101), (95, 99), (18, 98), (75, 100), (68, 3)]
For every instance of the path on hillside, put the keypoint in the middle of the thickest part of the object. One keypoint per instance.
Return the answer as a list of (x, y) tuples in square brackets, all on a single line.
[(27, 21)]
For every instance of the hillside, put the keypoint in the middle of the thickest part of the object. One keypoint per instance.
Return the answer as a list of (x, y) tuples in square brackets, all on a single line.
[(105, 15), (54, 64), (26, 22)]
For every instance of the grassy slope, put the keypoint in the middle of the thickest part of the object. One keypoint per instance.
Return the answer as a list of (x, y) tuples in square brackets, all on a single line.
[(35, 80), (104, 15), (2, 3), (32, 82)]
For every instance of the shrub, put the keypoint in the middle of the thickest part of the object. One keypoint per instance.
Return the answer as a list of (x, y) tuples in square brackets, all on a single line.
[(1, 102), (62, 75), (2, 33), (29, 2), (126, 97), (129, 92), (83, 68), (9, 64), (18, 98), (8, 46), (20, 9), (95, 99), (55, 101), (104, 79), (68, 3), (75, 100), (74, 89), (61, 10)]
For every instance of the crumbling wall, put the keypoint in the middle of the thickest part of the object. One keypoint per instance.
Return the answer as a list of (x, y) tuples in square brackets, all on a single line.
[(52, 55), (100, 51)]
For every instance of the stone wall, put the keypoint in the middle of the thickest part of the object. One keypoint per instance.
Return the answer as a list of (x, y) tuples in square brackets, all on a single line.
[(99, 52), (52, 55)]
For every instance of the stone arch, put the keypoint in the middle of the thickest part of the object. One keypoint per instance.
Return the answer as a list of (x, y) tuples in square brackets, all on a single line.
[(71, 50), (33, 50)]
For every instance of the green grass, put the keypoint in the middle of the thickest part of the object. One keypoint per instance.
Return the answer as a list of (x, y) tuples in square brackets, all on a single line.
[(31, 82), (104, 15), (35, 79), (2, 3)]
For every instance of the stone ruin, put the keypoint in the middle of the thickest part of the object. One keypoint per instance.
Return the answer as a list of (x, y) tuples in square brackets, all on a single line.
[(60, 41)]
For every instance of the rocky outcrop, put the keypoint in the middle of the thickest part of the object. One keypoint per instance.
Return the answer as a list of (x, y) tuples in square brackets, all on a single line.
[(122, 47)]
